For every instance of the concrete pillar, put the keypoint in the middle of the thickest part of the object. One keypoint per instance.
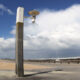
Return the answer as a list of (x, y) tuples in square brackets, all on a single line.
[(19, 42)]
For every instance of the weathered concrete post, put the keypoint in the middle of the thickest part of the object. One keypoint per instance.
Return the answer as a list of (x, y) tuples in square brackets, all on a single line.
[(19, 42)]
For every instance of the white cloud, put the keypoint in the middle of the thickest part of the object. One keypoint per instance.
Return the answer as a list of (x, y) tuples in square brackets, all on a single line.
[(7, 48), (53, 31), (4, 8), (61, 28)]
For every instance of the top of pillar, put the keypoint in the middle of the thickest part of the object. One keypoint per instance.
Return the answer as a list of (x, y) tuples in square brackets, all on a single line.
[(20, 15)]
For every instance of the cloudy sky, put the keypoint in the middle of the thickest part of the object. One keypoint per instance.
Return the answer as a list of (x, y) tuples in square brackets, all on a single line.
[(55, 33)]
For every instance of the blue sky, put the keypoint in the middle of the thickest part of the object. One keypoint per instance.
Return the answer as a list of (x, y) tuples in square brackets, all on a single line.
[(7, 21), (55, 33)]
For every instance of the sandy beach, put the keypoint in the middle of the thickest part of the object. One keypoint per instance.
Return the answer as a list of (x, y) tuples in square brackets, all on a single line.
[(10, 65), (40, 71)]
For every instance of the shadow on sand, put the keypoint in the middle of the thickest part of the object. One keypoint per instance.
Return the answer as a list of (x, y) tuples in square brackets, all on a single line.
[(28, 75)]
